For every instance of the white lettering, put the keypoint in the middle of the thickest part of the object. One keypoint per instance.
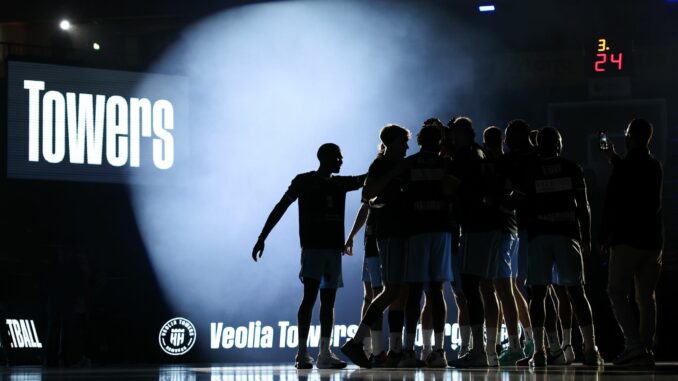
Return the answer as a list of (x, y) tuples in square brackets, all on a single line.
[(283, 332), (215, 334), (34, 88), (116, 131), (18, 337), (339, 332), (313, 336), (351, 331), (86, 117), (26, 333), (267, 337), (37, 342), (53, 127), (163, 120), (229, 338), (76, 125), (292, 337), (139, 123), (241, 337), (10, 330), (250, 335), (257, 334)]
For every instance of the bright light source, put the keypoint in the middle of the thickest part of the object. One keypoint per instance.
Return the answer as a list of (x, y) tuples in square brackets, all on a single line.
[(486, 8), (65, 25), (96, 46)]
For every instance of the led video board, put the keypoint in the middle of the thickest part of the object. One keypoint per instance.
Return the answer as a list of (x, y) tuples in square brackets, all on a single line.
[(86, 124)]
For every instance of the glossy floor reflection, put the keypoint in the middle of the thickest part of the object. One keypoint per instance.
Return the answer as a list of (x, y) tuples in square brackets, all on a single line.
[(664, 371)]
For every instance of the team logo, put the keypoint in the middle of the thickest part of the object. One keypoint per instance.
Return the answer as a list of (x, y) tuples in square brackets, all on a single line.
[(177, 336)]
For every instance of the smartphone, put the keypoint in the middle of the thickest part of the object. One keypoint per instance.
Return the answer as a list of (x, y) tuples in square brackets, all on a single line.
[(602, 141)]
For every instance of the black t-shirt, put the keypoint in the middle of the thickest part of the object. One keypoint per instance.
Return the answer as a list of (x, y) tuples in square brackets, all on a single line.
[(428, 207), (371, 234), (516, 165), (321, 208), (389, 206), (469, 205), (552, 186), (633, 204), (501, 211)]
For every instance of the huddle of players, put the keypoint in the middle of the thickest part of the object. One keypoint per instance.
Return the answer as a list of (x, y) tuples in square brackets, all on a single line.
[(454, 212)]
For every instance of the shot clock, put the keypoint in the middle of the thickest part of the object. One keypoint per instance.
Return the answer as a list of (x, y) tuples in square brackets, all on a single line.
[(607, 59)]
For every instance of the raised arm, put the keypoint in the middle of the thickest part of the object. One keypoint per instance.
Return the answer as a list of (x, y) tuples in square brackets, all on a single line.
[(360, 220), (273, 218)]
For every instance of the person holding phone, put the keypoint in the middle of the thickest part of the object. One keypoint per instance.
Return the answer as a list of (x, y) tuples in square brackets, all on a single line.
[(632, 231)]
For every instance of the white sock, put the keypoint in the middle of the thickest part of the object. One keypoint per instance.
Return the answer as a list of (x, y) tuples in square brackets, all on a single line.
[(554, 342), (588, 335), (465, 335), (395, 342), (528, 333), (325, 344), (567, 337), (427, 333), (367, 344), (491, 343), (514, 342), (439, 340), (377, 342)]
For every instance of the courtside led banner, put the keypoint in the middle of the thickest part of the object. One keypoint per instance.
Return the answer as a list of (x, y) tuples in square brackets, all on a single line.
[(178, 335), (84, 124)]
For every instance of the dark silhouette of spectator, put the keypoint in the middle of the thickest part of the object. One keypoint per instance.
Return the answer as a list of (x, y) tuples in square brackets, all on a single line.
[(632, 229)]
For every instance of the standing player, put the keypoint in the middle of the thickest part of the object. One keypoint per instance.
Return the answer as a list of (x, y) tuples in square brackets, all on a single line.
[(372, 283), (429, 259), (478, 233), (321, 230), (383, 189), (560, 233), (522, 154), (499, 276), (454, 228)]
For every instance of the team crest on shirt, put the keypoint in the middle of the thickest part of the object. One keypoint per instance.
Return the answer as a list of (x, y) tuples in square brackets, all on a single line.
[(177, 336)]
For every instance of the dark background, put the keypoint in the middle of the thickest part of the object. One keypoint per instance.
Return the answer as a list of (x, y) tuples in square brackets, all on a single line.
[(88, 266)]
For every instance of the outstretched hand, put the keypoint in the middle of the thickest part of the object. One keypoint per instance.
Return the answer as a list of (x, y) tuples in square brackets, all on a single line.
[(258, 250), (348, 246)]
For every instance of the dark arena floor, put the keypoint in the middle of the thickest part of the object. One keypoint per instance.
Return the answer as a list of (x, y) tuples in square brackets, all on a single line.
[(216, 372)]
